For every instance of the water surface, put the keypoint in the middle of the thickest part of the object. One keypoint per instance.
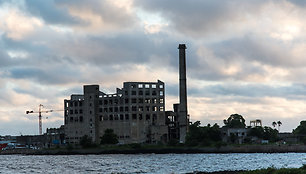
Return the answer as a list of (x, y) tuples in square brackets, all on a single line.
[(147, 163)]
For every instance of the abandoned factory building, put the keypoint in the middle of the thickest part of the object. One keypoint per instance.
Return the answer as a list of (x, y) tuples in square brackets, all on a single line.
[(135, 112)]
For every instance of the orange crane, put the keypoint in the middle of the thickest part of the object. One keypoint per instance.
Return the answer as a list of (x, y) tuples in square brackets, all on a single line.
[(39, 115)]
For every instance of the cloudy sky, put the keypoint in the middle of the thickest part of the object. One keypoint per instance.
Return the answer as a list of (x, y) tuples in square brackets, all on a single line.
[(245, 57)]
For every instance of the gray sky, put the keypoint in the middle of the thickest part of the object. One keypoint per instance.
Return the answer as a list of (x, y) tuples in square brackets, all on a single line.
[(245, 57)]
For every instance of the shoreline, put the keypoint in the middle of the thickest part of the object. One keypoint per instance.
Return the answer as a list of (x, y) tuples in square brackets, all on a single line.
[(163, 150)]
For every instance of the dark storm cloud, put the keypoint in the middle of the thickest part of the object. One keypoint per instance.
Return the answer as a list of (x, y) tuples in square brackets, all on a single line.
[(21, 73), (298, 2), (50, 93), (247, 54), (131, 48), (50, 12), (4, 59), (125, 48), (198, 17), (256, 48), (294, 91), (61, 60), (23, 45), (45, 75)]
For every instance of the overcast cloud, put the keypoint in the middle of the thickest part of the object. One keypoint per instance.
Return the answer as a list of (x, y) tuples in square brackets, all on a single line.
[(245, 57)]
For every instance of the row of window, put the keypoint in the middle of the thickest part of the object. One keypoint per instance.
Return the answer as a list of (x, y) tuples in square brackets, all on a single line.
[(146, 92), (133, 108), (116, 117), (124, 137), (72, 138), (122, 117), (75, 119), (116, 101), (132, 100), (119, 109), (146, 86), (76, 111), (74, 103)]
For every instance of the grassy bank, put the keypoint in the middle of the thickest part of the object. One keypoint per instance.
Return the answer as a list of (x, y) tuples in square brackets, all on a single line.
[(301, 170)]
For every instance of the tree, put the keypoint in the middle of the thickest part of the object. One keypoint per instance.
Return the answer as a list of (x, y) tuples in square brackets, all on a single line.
[(270, 134), (194, 134), (86, 141), (266, 133), (274, 124), (214, 132), (203, 136), (235, 121), (301, 129), (279, 123), (257, 131), (109, 137)]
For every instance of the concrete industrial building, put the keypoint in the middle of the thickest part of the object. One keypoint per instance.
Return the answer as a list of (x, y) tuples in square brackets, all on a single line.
[(135, 112)]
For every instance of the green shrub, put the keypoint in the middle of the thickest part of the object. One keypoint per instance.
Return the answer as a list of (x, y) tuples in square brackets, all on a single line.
[(109, 137), (86, 142)]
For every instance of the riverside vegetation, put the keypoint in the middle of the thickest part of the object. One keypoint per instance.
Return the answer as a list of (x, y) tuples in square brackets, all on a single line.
[(200, 139), (201, 136)]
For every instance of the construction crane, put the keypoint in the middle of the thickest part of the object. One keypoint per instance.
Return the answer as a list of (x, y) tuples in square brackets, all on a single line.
[(39, 115)]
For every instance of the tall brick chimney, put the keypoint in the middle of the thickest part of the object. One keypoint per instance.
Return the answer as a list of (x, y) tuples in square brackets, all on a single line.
[(182, 110)]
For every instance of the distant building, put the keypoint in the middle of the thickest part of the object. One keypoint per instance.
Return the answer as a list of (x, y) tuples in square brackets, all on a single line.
[(234, 135), (136, 113), (289, 137), (55, 136), (52, 138)]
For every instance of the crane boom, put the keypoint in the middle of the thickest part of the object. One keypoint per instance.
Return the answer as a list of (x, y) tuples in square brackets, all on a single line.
[(39, 115)]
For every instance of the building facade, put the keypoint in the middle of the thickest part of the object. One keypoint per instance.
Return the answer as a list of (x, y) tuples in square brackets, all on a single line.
[(136, 113)]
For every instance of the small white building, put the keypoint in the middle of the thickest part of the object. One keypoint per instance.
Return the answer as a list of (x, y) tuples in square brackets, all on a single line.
[(234, 135)]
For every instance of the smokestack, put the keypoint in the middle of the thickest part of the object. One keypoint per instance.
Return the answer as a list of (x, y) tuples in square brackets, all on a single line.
[(182, 112), (182, 77)]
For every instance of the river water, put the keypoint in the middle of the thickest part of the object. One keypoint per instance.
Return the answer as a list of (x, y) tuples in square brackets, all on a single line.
[(147, 163)]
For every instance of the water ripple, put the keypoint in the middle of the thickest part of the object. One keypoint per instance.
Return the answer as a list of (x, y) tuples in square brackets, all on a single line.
[(147, 163)]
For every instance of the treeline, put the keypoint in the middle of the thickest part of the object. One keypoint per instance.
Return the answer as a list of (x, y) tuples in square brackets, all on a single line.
[(203, 136), (212, 135)]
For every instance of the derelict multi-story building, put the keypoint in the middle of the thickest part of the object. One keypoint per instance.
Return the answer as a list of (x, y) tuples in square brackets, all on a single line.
[(136, 113)]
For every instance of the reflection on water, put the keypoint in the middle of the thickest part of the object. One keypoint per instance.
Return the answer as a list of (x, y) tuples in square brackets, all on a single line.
[(147, 163)]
